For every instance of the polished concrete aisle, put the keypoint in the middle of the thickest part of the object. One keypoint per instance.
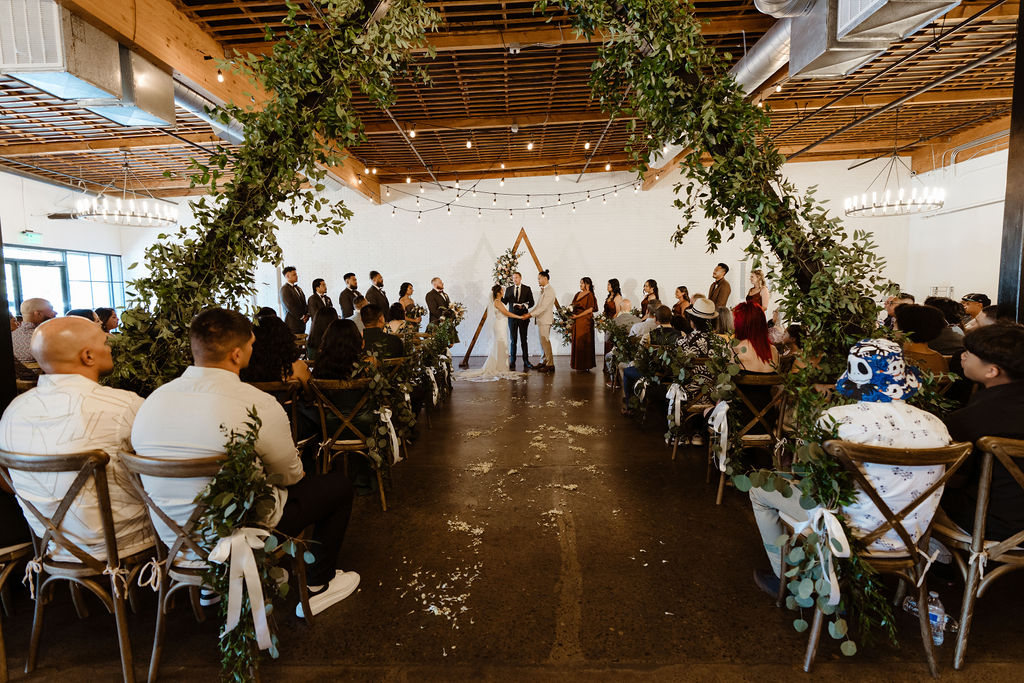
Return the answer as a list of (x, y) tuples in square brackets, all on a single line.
[(536, 534)]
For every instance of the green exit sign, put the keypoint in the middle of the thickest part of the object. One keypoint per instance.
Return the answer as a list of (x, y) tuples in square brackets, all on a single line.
[(31, 237)]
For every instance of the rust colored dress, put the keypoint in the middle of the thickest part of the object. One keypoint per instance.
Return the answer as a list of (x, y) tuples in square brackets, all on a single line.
[(583, 332), (609, 312)]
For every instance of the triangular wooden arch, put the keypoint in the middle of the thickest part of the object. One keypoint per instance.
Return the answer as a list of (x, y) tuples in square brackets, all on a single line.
[(521, 238)]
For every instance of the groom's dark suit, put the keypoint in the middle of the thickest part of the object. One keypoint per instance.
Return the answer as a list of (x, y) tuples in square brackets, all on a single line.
[(518, 300)]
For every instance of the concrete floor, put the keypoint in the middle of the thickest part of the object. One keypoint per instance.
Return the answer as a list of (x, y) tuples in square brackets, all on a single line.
[(536, 534)]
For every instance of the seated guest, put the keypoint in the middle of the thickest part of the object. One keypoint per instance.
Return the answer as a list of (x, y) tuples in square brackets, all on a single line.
[(751, 347), (791, 347), (973, 303), (950, 341), (994, 358), (340, 353), (700, 343), (879, 380), (359, 303), (321, 321), (664, 334), (921, 324), (624, 314), (70, 412), (647, 323), (108, 319), (33, 312), (86, 313), (189, 417), (266, 311), (890, 307), (1001, 314), (396, 319), (375, 339), (275, 357)]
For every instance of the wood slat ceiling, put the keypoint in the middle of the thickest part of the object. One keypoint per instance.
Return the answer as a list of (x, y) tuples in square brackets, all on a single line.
[(479, 90)]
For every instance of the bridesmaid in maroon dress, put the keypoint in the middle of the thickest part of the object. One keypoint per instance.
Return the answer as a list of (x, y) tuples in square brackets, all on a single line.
[(611, 307), (584, 306)]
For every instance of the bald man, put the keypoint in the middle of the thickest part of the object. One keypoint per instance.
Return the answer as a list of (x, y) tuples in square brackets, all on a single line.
[(33, 313), (69, 412)]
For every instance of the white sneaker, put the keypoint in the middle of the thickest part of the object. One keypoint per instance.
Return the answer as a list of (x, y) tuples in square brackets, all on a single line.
[(341, 586)]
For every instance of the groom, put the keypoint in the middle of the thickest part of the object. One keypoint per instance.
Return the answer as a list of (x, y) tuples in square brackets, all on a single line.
[(518, 299), (544, 314)]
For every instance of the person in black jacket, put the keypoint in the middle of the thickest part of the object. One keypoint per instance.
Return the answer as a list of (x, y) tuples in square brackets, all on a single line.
[(318, 300), (375, 339), (294, 301), (994, 357), (519, 300), (348, 296), (375, 294)]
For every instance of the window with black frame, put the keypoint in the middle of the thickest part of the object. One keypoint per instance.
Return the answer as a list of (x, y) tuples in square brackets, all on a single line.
[(68, 279)]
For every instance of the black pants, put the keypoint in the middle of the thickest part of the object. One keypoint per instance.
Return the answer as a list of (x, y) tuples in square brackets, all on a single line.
[(324, 500), (522, 327)]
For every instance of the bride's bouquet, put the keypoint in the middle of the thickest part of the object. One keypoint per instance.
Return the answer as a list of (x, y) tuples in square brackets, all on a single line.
[(563, 323), (415, 311)]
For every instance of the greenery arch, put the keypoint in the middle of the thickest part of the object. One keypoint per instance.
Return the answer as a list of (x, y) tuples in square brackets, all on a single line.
[(654, 51)]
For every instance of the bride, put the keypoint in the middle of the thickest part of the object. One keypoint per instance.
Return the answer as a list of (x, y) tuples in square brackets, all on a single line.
[(497, 361)]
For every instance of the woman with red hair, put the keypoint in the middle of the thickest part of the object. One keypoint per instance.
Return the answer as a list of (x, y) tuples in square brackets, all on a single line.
[(751, 346)]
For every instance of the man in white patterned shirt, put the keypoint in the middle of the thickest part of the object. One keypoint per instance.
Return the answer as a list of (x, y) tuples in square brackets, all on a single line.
[(878, 378), (33, 313), (68, 412)]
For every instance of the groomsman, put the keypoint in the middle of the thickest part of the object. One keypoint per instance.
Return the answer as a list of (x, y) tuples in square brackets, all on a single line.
[(437, 304), (519, 299), (375, 294), (348, 296), (719, 294), (544, 314), (294, 301), (318, 300)]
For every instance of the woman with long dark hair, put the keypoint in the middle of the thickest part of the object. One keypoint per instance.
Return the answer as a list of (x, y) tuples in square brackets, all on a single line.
[(321, 321), (650, 296), (679, 319), (584, 306), (611, 307), (275, 357), (340, 350)]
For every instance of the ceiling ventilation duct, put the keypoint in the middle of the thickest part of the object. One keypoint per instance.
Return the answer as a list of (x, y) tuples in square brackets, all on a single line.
[(816, 51), (47, 47), (781, 9), (889, 20), (147, 99)]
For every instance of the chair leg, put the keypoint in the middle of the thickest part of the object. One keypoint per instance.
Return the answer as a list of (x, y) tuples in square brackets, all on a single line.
[(966, 614), (123, 639), (926, 628), (780, 597), (303, 588), (675, 446), (901, 592), (158, 633), (721, 488), (197, 606), (380, 487), (79, 600), (812, 640), (3, 655), (37, 626)]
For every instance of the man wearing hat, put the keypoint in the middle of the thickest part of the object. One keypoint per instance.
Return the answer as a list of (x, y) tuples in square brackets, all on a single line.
[(880, 381), (973, 304)]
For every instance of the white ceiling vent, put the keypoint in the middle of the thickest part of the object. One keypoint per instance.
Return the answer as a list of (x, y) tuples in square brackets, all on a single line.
[(890, 20), (47, 47), (148, 97)]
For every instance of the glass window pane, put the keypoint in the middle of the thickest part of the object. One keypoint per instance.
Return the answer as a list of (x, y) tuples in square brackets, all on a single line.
[(12, 305), (101, 294), (78, 266), (24, 254), (118, 296), (81, 294), (46, 282), (116, 274), (98, 267)]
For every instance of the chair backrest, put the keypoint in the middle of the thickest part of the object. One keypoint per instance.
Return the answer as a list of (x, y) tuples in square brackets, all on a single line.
[(322, 389), (88, 465), (287, 394), (854, 456), (760, 414), (1008, 452), (172, 468), (392, 366)]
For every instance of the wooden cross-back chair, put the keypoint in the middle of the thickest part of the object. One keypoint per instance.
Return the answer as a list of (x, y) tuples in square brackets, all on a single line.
[(697, 405), (344, 436), (392, 367), (971, 550), (910, 566), (289, 395), (84, 570), (771, 417), (182, 563), (10, 558)]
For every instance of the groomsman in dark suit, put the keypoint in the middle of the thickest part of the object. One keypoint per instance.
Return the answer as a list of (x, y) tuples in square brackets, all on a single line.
[(519, 300), (318, 300), (375, 294), (348, 296), (437, 304), (294, 301)]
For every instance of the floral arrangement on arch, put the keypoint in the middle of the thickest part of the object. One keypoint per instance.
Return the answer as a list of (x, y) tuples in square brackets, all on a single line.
[(507, 263), (563, 323)]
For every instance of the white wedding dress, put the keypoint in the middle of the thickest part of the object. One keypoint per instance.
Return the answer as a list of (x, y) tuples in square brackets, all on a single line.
[(496, 366)]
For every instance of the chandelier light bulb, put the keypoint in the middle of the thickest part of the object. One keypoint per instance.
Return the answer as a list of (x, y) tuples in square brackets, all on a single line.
[(373, 170), (412, 132), (366, 170)]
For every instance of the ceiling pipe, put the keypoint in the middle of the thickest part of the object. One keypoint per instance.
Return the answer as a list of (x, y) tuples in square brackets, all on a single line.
[(784, 8), (194, 103), (765, 58)]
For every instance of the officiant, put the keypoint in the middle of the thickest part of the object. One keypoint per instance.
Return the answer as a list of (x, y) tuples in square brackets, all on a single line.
[(519, 300)]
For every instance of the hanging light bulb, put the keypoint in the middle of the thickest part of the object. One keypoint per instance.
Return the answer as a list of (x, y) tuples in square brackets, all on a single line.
[(422, 190), (510, 214), (469, 144), (419, 217), (502, 182), (457, 186), (574, 207), (449, 209), (657, 176), (527, 200), (557, 177), (412, 131), (417, 201), (479, 213), (586, 145), (387, 191), (616, 193), (392, 213), (542, 213), (374, 170), (359, 180), (529, 146), (366, 170), (474, 191), (456, 196), (559, 199), (220, 76), (588, 195), (778, 88), (408, 179), (636, 188), (494, 201), (604, 199), (608, 166)]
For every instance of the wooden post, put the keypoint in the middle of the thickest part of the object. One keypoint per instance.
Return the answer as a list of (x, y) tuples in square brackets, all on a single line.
[(1011, 261), (8, 387), (520, 238)]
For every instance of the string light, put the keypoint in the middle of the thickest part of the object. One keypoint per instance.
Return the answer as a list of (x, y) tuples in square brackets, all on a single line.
[(616, 193), (529, 146), (559, 199), (449, 209), (502, 181), (557, 177), (457, 186), (636, 188), (359, 180), (387, 191), (604, 200), (760, 105), (474, 191), (778, 88), (510, 214), (419, 217), (412, 131), (657, 176), (494, 202), (608, 166), (374, 170), (479, 214), (469, 144), (456, 196), (574, 207), (503, 165), (417, 201), (542, 213), (588, 195), (422, 190), (366, 170), (408, 179), (220, 76), (586, 145), (392, 213), (527, 200)]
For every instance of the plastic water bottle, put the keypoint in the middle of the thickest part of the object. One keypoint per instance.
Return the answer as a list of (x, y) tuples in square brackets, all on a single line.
[(910, 605), (936, 617)]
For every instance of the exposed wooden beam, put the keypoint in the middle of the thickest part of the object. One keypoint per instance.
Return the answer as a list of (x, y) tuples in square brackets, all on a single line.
[(873, 101), (80, 146), (172, 40), (930, 155), (483, 123)]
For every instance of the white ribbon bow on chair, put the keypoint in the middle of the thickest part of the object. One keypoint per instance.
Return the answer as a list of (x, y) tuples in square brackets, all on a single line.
[(640, 389), (433, 385), (982, 559), (718, 423), (676, 396), (828, 527), (238, 548), (385, 417)]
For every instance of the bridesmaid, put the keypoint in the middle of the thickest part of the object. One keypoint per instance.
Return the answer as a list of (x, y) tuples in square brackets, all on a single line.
[(759, 293), (611, 307), (405, 298), (584, 306), (650, 295), (679, 320)]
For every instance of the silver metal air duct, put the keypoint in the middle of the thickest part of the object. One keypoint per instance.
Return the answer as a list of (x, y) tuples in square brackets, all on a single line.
[(768, 55), (784, 8), (194, 103)]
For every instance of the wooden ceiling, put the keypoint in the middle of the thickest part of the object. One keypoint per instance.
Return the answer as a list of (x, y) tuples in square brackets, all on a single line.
[(481, 89)]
